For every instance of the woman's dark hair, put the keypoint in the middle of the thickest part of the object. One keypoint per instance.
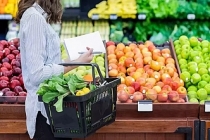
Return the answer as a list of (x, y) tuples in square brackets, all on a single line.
[(52, 7)]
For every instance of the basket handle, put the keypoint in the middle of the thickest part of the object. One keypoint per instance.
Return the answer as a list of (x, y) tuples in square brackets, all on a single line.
[(87, 64)]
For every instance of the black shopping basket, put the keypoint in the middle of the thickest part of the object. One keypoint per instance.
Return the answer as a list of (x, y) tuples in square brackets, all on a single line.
[(83, 115)]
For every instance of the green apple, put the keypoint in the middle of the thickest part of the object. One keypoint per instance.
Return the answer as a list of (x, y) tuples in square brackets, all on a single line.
[(81, 68), (185, 54), (182, 61), (102, 55), (192, 88), (194, 53), (178, 46), (178, 51), (179, 56), (193, 100), (103, 73), (207, 88), (202, 71), (187, 84), (202, 65), (202, 84), (202, 94), (206, 59), (81, 72), (193, 69), (205, 44), (193, 41), (197, 59), (205, 50), (195, 78), (192, 94), (176, 42), (202, 102), (183, 66), (102, 68), (186, 47), (192, 64), (100, 63), (184, 69), (208, 63), (205, 77), (89, 71), (183, 39), (99, 58), (185, 76)]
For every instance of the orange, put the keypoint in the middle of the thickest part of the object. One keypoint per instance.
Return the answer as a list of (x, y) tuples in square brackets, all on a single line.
[(88, 78)]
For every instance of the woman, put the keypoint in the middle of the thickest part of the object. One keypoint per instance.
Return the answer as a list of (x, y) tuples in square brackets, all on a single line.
[(40, 56)]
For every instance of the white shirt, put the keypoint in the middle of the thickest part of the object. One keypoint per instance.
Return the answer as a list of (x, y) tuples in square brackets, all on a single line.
[(40, 56)]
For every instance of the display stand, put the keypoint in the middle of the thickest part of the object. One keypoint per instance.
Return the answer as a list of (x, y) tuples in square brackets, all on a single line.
[(204, 117), (165, 122)]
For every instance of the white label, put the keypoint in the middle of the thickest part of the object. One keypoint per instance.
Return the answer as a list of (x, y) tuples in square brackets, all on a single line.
[(5, 17), (145, 106), (191, 16), (207, 106), (142, 16), (95, 16), (113, 17)]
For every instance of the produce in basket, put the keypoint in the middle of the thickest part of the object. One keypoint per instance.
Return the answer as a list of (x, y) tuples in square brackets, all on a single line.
[(194, 62), (11, 80), (58, 87), (147, 73)]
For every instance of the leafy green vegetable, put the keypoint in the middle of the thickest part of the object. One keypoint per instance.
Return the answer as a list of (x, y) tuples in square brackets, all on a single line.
[(59, 87)]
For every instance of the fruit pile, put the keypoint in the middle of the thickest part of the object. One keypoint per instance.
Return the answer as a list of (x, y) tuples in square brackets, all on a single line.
[(146, 72), (86, 71), (122, 8), (11, 80), (194, 62)]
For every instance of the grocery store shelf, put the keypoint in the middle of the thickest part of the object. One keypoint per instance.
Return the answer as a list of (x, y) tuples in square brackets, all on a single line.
[(73, 14), (5, 17)]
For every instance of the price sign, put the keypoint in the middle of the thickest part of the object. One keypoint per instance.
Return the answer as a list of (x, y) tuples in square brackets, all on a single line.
[(191, 16), (145, 106), (142, 16), (113, 17), (207, 106), (5, 17), (95, 17)]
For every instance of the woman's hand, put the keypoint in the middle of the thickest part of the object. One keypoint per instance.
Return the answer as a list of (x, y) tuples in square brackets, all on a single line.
[(87, 56)]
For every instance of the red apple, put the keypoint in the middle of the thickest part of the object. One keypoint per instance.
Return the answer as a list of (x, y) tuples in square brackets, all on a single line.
[(181, 100), (162, 97), (130, 90), (167, 87), (174, 85), (136, 86), (173, 96), (167, 81), (161, 84), (137, 96), (109, 43), (143, 89), (122, 96)]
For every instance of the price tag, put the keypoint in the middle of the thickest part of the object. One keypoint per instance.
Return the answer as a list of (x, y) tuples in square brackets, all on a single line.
[(142, 16), (191, 16), (145, 106), (95, 17), (207, 106), (5, 17), (113, 17)]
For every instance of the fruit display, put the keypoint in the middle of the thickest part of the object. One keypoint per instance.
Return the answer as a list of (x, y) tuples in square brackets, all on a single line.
[(86, 71), (9, 7), (194, 62), (73, 28), (11, 80), (121, 8), (146, 72), (61, 86)]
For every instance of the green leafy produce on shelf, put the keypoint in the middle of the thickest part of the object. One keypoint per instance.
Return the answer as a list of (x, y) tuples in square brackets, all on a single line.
[(61, 86)]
